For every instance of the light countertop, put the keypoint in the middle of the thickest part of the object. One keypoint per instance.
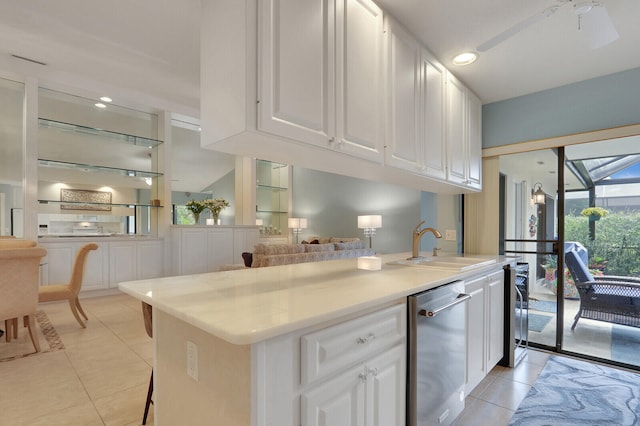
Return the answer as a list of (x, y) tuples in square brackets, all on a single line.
[(250, 305)]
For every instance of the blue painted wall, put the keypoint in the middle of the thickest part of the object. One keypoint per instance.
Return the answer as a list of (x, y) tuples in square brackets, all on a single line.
[(599, 103)]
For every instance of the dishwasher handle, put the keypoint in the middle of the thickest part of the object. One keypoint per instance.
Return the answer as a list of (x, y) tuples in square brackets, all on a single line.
[(432, 313)]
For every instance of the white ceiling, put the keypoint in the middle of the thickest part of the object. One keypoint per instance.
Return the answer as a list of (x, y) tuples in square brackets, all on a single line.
[(152, 46)]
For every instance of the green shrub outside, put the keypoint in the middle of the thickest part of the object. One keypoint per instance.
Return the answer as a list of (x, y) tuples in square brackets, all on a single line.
[(616, 244)]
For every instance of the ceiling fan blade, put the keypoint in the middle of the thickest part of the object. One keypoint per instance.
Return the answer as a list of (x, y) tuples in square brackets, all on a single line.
[(598, 27), (520, 26)]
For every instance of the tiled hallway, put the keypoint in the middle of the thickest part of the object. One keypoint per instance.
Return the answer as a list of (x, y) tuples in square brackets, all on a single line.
[(100, 378)]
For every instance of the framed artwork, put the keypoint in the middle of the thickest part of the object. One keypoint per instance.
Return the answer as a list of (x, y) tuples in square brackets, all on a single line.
[(85, 199)]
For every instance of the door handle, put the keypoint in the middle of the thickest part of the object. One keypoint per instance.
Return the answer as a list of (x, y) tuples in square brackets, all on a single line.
[(432, 313)]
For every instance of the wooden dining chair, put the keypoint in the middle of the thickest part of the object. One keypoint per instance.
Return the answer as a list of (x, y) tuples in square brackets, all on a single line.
[(7, 242), (70, 291), (19, 282)]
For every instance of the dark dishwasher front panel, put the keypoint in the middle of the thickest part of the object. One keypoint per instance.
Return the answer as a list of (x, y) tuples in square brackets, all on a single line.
[(436, 355)]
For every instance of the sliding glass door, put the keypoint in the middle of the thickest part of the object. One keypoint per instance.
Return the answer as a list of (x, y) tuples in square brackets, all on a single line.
[(530, 226), (595, 216)]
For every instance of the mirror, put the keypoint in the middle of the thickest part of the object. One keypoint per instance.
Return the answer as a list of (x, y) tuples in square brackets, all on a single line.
[(11, 158), (198, 174)]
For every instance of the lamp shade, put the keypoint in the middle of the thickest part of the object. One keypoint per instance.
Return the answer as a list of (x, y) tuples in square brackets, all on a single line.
[(370, 221), (297, 223)]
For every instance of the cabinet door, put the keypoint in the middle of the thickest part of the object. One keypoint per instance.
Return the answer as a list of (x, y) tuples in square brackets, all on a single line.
[(402, 78), (296, 69), (149, 260), (96, 270), (337, 402), (59, 263), (476, 364), (474, 110), (122, 262), (495, 313), (193, 251), (359, 79), (457, 140), (219, 248), (386, 388), (432, 110)]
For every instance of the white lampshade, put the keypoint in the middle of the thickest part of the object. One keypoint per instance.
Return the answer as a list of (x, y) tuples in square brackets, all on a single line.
[(370, 221), (297, 223)]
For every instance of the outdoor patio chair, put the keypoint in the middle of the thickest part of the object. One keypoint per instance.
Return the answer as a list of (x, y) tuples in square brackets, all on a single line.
[(608, 298)]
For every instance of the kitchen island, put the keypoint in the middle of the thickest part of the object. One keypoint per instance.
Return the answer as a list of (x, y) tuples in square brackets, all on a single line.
[(263, 346)]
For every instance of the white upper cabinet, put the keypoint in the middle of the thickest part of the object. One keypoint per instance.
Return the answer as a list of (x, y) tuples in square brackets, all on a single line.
[(309, 83), (402, 53), (296, 70), (464, 115), (432, 122), (358, 72), (320, 67), (415, 105)]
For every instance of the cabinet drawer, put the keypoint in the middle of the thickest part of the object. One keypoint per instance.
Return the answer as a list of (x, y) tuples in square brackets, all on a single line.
[(326, 351)]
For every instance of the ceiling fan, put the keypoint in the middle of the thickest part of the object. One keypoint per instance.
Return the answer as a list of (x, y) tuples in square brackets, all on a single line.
[(592, 17)]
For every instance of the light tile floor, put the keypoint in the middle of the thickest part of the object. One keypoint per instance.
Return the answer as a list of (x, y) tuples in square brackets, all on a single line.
[(100, 378), (495, 399)]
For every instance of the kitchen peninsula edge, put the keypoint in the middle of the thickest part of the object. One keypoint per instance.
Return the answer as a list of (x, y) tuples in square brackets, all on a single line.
[(248, 325)]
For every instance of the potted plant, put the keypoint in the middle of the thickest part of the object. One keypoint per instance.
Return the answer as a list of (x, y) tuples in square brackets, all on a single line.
[(195, 207), (594, 213), (215, 206), (550, 266)]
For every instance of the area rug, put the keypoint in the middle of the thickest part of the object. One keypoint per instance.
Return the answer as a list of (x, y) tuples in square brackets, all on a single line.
[(625, 344), (543, 306), (538, 322), (571, 392), (22, 346)]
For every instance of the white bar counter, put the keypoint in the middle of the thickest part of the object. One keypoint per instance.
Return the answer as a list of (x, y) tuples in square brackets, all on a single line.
[(254, 304), (247, 327)]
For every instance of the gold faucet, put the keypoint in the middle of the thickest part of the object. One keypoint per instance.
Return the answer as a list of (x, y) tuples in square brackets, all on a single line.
[(417, 236)]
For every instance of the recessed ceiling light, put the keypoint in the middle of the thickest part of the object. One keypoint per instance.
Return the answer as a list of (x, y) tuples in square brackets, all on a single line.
[(106, 99), (100, 105), (465, 58)]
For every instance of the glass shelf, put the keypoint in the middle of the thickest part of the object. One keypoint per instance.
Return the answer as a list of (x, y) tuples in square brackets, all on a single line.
[(271, 188), (45, 123), (83, 203), (271, 211), (92, 168)]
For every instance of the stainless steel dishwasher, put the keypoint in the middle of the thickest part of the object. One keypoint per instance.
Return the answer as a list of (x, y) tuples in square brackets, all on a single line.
[(437, 354)]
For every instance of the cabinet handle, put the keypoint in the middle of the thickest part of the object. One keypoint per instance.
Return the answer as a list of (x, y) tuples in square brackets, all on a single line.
[(332, 139), (362, 377), (373, 372), (362, 340)]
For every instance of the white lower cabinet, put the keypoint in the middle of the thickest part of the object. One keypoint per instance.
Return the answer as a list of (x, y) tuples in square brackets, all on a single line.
[(485, 326), (371, 393), (200, 249), (112, 263), (356, 372)]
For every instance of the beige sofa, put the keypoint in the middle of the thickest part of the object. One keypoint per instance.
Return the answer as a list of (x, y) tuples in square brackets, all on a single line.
[(318, 249)]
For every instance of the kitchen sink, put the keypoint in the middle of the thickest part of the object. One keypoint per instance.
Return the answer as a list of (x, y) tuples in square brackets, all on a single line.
[(457, 263)]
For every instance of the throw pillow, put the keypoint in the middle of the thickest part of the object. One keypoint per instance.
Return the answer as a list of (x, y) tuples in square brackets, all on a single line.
[(248, 259)]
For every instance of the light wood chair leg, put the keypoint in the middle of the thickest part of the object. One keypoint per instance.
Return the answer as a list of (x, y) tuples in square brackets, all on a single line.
[(15, 328), (7, 330), (32, 332), (80, 309), (72, 304)]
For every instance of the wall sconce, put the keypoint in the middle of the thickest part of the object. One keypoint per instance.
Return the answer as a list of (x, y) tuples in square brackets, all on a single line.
[(370, 223), (537, 195), (297, 224)]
